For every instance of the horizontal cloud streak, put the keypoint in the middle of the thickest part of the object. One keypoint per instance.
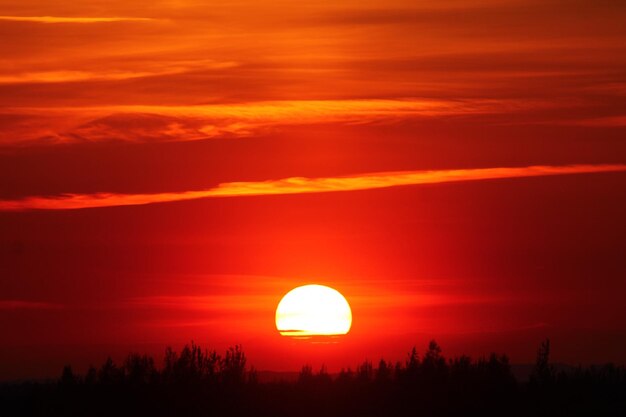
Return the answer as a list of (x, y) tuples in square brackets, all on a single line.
[(300, 185), (148, 123), (69, 76), (172, 67), (333, 110), (59, 19)]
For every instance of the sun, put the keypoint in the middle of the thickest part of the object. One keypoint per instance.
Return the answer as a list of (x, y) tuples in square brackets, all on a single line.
[(312, 310)]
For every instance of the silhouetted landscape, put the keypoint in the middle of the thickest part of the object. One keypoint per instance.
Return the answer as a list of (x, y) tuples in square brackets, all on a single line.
[(198, 381)]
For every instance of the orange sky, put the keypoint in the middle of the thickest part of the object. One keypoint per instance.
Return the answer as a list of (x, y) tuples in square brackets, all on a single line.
[(474, 149)]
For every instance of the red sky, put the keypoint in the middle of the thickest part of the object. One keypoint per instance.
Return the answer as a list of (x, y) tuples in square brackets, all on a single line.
[(169, 169)]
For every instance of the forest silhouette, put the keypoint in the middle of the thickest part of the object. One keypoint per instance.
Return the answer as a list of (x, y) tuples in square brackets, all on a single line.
[(201, 382)]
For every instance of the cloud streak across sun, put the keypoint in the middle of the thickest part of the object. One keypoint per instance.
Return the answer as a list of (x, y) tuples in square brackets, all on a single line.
[(300, 185)]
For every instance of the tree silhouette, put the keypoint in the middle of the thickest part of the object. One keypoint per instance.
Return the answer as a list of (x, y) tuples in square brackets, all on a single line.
[(306, 375), (139, 369), (383, 372), (543, 372), (196, 382), (233, 367), (323, 377), (433, 363), (413, 361), (68, 379), (345, 376), (109, 373), (91, 377), (365, 372)]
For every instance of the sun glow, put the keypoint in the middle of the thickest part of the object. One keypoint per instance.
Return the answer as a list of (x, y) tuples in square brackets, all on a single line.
[(313, 310)]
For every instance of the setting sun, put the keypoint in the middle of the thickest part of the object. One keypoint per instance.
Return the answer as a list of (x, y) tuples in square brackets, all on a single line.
[(313, 310), (198, 197)]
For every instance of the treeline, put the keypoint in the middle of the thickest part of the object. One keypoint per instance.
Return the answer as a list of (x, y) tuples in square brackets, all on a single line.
[(193, 365), (200, 382)]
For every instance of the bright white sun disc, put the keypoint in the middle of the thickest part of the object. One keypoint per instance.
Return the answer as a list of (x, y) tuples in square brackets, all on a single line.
[(312, 310)]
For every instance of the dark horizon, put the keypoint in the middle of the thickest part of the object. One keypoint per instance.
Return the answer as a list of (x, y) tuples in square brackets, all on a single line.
[(521, 370), (197, 381)]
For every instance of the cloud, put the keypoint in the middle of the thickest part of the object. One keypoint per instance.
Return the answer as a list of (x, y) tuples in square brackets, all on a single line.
[(330, 110), (153, 69), (300, 185), (69, 76), (149, 127), (147, 123), (58, 19)]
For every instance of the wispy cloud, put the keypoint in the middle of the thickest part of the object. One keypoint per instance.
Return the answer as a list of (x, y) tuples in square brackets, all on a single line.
[(328, 110), (69, 76), (149, 123), (300, 185), (60, 19), (147, 70)]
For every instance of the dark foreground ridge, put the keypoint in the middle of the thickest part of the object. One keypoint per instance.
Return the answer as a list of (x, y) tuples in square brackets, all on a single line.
[(198, 382)]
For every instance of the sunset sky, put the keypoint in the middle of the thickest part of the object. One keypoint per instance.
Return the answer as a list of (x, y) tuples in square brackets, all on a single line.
[(170, 169)]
